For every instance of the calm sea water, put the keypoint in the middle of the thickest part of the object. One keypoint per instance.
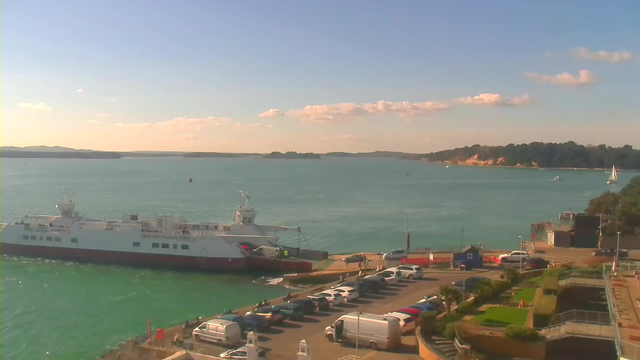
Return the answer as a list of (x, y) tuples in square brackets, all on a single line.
[(78, 311)]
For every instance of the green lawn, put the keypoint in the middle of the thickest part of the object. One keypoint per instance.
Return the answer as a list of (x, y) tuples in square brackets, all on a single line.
[(502, 316), (536, 280), (525, 294)]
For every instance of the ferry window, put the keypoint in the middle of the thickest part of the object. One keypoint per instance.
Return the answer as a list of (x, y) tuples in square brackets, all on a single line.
[(215, 227), (57, 239), (184, 247), (175, 246), (74, 240), (165, 246), (136, 244), (40, 238), (155, 245), (26, 237), (33, 237)]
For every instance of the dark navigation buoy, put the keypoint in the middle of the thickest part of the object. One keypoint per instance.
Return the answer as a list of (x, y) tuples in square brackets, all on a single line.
[(190, 180)]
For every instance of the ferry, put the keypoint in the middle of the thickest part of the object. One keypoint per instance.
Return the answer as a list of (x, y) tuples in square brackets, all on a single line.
[(161, 241)]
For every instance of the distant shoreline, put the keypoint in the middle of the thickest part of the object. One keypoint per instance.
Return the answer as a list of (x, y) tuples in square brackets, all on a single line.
[(528, 167)]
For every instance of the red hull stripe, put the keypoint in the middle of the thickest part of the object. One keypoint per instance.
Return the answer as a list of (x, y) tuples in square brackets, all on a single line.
[(125, 258)]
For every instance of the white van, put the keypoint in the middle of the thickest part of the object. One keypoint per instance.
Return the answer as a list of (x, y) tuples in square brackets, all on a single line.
[(375, 331), (218, 330)]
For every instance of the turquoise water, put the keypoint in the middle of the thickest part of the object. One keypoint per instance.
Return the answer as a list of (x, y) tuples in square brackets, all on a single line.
[(78, 311)]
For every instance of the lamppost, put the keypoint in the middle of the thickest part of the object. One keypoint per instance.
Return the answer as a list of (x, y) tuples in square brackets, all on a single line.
[(357, 334), (463, 268), (521, 256), (618, 251)]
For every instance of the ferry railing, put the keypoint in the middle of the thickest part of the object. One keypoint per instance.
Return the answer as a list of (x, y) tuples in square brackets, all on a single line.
[(582, 316)]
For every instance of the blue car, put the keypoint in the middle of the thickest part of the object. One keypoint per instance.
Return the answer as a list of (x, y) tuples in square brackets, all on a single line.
[(256, 322), (423, 307), (236, 319)]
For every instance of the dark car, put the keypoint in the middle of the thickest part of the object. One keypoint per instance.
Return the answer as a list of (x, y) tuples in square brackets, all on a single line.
[(308, 306), (355, 258), (321, 302), (423, 307), (469, 283), (611, 253), (374, 284), (236, 319), (291, 311), (271, 313), (535, 263), (256, 322), (379, 279), (359, 286)]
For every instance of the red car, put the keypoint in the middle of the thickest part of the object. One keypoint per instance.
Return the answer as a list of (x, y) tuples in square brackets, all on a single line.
[(409, 311)]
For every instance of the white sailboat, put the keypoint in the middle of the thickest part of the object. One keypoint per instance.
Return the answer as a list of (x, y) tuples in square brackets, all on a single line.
[(613, 178)]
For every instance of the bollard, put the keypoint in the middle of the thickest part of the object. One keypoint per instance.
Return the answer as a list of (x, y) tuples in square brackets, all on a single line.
[(252, 346), (304, 352)]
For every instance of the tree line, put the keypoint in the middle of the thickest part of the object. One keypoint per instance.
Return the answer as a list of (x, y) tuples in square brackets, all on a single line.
[(621, 211)]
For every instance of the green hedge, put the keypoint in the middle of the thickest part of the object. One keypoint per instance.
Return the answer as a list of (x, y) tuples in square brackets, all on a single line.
[(522, 333), (465, 307), (427, 322), (543, 310), (550, 285), (450, 331)]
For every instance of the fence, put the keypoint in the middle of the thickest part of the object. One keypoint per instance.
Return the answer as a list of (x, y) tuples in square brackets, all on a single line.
[(582, 316)]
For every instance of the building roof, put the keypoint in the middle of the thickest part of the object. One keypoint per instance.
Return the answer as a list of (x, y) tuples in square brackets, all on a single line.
[(469, 247)]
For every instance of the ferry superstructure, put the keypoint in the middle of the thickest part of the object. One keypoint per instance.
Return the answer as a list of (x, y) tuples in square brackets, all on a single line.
[(167, 241)]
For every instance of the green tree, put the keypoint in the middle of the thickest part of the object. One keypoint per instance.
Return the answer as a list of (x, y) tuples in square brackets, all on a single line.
[(511, 275), (449, 295)]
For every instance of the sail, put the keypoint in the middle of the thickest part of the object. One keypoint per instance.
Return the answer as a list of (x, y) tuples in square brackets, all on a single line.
[(614, 175)]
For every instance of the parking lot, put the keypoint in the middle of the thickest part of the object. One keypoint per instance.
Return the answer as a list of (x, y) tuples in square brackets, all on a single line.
[(282, 340)]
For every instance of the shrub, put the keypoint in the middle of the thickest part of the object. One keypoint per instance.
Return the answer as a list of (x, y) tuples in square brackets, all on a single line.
[(544, 309), (522, 333), (450, 330), (465, 307), (442, 323), (550, 285), (427, 322), (484, 291), (511, 275), (499, 287)]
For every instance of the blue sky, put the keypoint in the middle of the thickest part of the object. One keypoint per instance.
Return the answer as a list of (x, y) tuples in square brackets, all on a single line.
[(194, 75)]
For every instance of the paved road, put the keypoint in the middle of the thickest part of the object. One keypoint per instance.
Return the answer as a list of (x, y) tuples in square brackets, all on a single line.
[(282, 341)]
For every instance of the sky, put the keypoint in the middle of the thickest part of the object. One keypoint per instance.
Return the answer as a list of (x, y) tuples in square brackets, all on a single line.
[(317, 76)]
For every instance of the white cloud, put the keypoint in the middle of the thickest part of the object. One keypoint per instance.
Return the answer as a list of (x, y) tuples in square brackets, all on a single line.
[(271, 113), (350, 112), (494, 100), (585, 78), (34, 107), (112, 99), (247, 126), (95, 122), (79, 91), (346, 137), (610, 57), (177, 124), (102, 115), (189, 137)]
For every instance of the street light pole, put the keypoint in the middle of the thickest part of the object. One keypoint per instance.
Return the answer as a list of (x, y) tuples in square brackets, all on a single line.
[(357, 335), (618, 250), (520, 253)]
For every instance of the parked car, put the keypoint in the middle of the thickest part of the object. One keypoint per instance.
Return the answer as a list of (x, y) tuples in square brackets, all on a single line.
[(469, 283), (395, 255), (271, 313), (611, 253), (513, 256), (373, 284), (407, 322), (381, 281), (308, 305), (360, 287), (256, 322), (291, 311), (321, 302), (355, 258), (348, 293), (376, 331), (535, 263), (219, 331), (241, 354), (334, 297), (409, 311), (409, 271), (236, 319), (423, 306), (391, 277)]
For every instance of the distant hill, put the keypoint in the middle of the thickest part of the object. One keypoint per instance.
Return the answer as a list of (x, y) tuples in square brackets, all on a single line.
[(60, 155), (41, 148), (537, 154), (291, 155), (212, 155), (392, 154)]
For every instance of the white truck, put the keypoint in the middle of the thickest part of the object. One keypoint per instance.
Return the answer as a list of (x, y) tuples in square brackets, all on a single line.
[(513, 256)]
